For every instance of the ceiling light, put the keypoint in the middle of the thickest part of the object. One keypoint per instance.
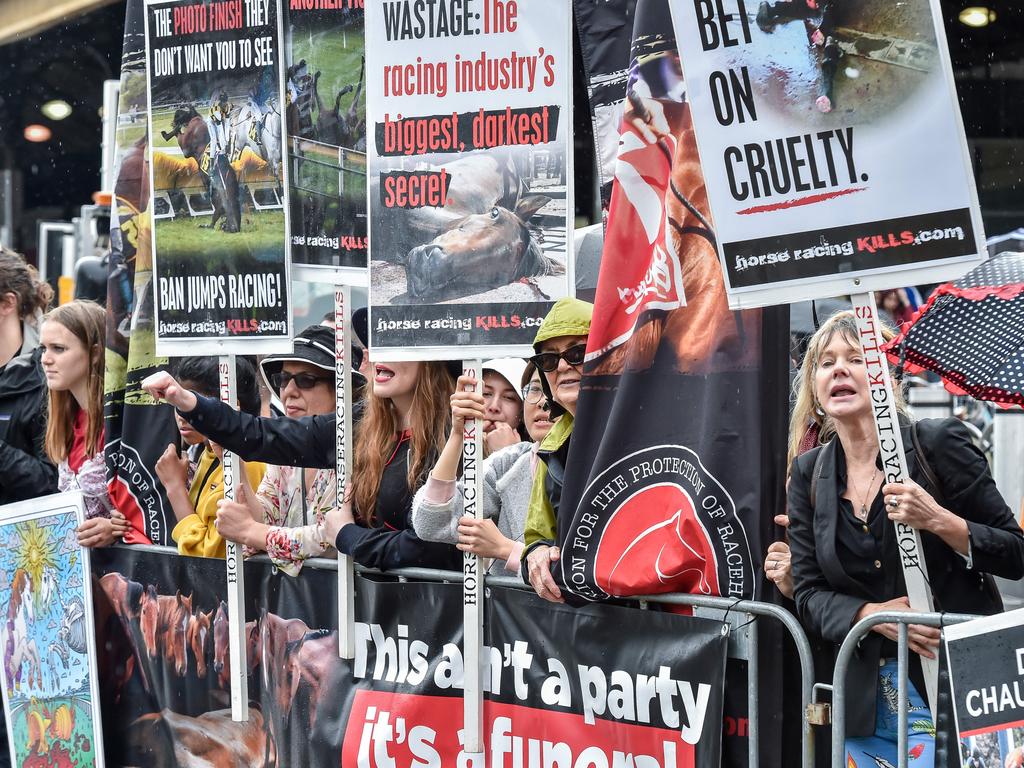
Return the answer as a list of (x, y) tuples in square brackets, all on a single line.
[(57, 109), (977, 16), (37, 133)]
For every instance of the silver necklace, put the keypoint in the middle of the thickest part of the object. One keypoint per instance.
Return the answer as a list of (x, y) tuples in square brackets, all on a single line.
[(863, 514)]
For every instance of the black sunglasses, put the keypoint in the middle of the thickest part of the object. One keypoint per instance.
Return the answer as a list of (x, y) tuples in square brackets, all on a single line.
[(281, 380), (548, 361)]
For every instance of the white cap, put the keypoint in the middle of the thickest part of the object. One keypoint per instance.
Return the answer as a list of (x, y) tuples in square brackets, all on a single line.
[(509, 368)]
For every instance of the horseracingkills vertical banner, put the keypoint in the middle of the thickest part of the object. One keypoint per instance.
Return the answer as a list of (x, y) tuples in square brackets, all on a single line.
[(469, 157), (832, 145), (325, 116), (215, 78)]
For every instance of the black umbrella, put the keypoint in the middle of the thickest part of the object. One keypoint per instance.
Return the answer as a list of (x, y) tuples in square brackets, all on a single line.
[(971, 333)]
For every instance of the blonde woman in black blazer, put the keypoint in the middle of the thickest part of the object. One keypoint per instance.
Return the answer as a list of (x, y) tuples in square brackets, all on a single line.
[(844, 556)]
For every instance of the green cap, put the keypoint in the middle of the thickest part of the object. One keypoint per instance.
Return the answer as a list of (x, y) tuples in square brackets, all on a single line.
[(568, 317)]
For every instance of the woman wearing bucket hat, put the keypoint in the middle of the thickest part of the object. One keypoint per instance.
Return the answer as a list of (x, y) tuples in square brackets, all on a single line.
[(561, 344), (508, 478), (284, 517), (402, 429)]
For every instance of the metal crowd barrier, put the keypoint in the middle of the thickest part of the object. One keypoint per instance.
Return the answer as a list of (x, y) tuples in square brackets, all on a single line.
[(742, 615), (846, 651)]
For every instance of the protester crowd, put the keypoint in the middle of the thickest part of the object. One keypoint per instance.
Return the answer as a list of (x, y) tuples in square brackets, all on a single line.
[(837, 560)]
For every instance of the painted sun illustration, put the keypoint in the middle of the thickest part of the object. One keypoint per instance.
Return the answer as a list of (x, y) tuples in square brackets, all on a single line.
[(36, 552)]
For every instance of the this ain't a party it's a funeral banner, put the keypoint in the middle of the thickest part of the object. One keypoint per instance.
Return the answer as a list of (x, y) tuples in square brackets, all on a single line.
[(218, 183), (601, 686)]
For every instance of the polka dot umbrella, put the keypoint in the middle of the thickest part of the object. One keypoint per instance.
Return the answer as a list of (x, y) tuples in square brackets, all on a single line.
[(971, 333)]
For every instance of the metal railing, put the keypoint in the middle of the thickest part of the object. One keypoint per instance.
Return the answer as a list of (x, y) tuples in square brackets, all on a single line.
[(846, 651), (743, 616)]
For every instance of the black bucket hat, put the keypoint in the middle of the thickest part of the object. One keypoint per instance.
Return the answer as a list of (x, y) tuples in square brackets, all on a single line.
[(315, 346)]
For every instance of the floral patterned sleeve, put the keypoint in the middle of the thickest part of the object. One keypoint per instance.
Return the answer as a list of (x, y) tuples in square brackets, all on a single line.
[(288, 546), (269, 496)]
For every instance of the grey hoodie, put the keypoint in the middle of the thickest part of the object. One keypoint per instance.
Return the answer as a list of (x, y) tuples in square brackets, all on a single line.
[(508, 480)]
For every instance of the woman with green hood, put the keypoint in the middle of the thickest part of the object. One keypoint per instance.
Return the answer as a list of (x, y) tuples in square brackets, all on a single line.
[(560, 346)]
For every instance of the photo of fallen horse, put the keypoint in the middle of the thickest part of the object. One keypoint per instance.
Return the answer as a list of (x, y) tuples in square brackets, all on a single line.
[(499, 237)]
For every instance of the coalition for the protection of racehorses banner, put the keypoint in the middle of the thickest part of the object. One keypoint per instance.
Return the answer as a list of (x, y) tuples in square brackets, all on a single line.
[(986, 675), (470, 168), (599, 686), (832, 143), (219, 186), (136, 429), (674, 470), (325, 118)]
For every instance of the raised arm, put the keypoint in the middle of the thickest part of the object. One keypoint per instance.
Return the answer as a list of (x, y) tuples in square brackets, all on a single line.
[(306, 442)]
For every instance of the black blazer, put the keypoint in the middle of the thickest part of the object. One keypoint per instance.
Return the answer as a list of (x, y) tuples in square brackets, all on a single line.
[(828, 599)]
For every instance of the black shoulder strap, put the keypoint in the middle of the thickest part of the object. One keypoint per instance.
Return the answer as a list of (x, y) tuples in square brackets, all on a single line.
[(926, 468), (818, 461)]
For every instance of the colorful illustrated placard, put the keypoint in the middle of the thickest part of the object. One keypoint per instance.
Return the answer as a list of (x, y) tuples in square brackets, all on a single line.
[(469, 160), (217, 177), (50, 691), (832, 145)]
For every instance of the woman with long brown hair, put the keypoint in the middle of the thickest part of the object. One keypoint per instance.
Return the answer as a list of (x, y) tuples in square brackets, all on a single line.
[(404, 424), (25, 469), (73, 350)]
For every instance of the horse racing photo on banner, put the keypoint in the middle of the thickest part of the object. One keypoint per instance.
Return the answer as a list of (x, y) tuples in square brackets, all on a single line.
[(325, 117), (50, 691), (219, 185)]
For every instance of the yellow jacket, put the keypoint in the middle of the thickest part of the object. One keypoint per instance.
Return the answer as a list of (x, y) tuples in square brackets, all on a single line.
[(196, 534)]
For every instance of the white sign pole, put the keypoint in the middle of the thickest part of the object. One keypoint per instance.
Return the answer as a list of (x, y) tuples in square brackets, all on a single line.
[(343, 466), (894, 465), (236, 583), (472, 573)]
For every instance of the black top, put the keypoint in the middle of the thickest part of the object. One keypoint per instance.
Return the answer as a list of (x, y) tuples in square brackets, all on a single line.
[(25, 469), (390, 542), (859, 543)]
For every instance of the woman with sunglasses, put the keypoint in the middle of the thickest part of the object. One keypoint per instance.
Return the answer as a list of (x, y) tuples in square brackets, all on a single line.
[(285, 516), (402, 429), (561, 345), (508, 479)]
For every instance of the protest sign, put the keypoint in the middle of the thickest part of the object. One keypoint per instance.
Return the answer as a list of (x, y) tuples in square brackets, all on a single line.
[(325, 115), (469, 154), (557, 691), (215, 76), (986, 674), (832, 145), (50, 683)]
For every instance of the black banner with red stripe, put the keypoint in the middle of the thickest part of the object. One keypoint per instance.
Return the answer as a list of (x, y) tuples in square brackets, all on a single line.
[(602, 686)]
